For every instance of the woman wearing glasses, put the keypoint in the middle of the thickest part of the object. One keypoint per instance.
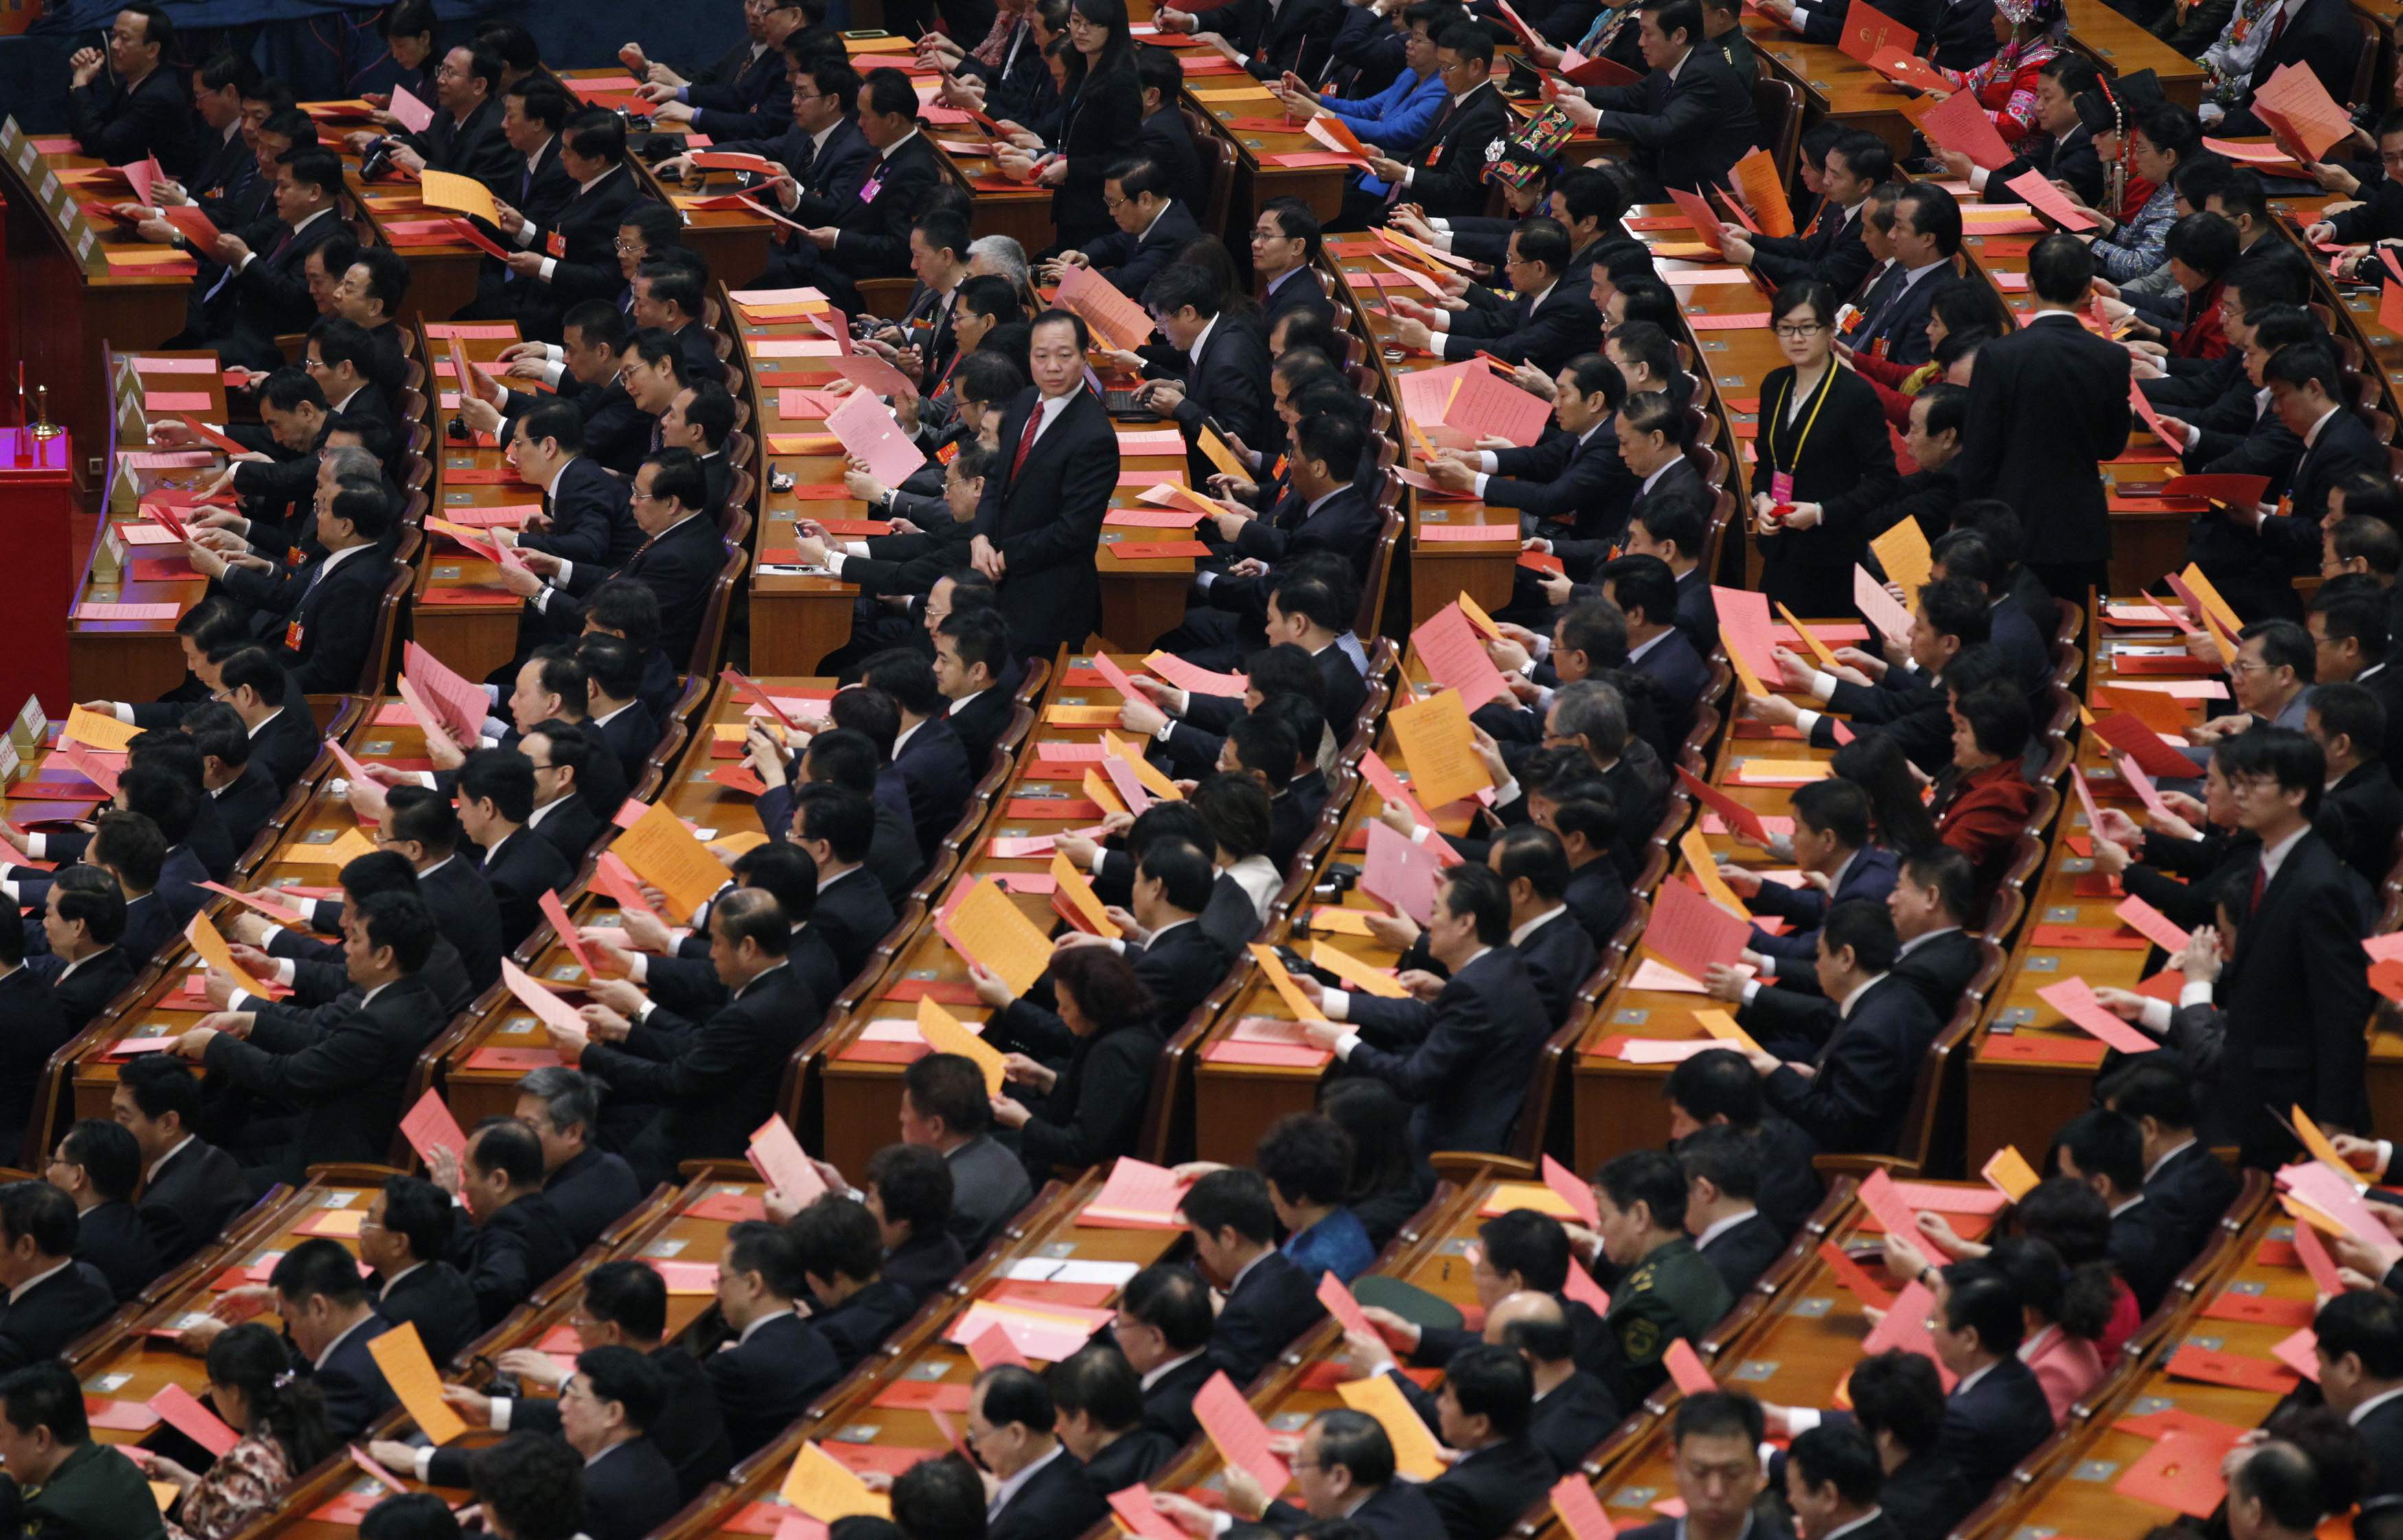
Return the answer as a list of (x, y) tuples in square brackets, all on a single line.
[(1823, 460)]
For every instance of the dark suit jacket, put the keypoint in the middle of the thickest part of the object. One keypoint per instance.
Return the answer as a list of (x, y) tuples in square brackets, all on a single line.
[(86, 992), (586, 222), (471, 147), (1294, 36), (1093, 1112), (875, 238), (765, 1383), (155, 118), (32, 1026), (832, 177), (1831, 250), (590, 1193), (1940, 968), (1045, 519), (980, 724), (246, 806), (859, 1325), (506, 1257), (286, 744), (1482, 1495), (1546, 335), (1447, 165), (1893, 314), (1132, 261), (2383, 1431), (110, 1236), (1168, 1405), (1273, 1303), (44, 1318), (989, 1187), (337, 616), (714, 1083), (1559, 956), (1870, 875), (933, 765), (2044, 411), (351, 1383), (190, 1202), (1865, 1073), (436, 1297), (1573, 1420), (1742, 1251), (629, 1491), (1686, 132), (754, 102), (1580, 483), (678, 567), (1398, 1510), (590, 520), (1098, 124), (853, 915), (2149, 1249), (523, 867), (1169, 143), (346, 1070), (2320, 38), (1229, 385), (2295, 992), (2192, 1190), (691, 1430), (1467, 1074), (2360, 817), (1056, 1501), (1926, 1496), (1995, 1423)]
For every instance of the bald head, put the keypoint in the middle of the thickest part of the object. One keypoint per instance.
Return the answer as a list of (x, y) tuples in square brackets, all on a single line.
[(1535, 1324)]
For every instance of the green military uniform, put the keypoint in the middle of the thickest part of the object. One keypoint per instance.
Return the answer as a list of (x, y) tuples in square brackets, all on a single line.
[(1673, 1293), (1736, 48), (96, 1493)]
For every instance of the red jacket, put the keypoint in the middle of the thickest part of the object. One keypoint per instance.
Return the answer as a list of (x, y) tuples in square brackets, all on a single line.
[(1984, 815)]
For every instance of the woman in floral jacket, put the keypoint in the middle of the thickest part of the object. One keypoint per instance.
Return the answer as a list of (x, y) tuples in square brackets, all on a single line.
[(281, 1420), (2030, 32)]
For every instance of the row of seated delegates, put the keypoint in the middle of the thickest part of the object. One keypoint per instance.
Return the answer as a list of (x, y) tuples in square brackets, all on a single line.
[(2265, 787)]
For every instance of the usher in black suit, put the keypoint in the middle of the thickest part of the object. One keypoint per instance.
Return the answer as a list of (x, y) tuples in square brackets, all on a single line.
[(1043, 514), (2048, 404)]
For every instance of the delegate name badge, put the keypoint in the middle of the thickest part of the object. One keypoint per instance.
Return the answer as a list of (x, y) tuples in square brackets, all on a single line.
[(1781, 487)]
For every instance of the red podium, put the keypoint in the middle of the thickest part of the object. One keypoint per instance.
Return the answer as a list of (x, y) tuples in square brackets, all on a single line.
[(37, 512)]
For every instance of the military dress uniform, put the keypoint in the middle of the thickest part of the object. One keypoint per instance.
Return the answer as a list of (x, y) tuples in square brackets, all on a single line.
[(1673, 1291)]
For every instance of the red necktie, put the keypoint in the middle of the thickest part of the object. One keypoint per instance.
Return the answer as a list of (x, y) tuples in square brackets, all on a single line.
[(2275, 28), (1026, 439), (2260, 882)]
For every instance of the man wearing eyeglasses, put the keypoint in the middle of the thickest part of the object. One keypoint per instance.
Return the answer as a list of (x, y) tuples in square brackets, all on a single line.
[(750, 102), (821, 160), (2271, 678)]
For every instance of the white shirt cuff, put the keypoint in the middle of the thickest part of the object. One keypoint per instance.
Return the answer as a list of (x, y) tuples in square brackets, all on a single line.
[(1099, 855), (550, 266), (642, 1011), (1487, 461), (553, 372), (854, 547), (1345, 1044), (566, 570), (1751, 991), (286, 971), (2193, 436), (835, 558), (2154, 1017), (2197, 993), (1506, 793), (1799, 1420), (500, 1417), (1978, 178), (542, 600), (1807, 722), (553, 351), (1420, 834), (638, 968), (1409, 175), (1822, 685), (38, 846), (122, 712), (423, 1461), (1439, 322), (1336, 1003), (1165, 729)]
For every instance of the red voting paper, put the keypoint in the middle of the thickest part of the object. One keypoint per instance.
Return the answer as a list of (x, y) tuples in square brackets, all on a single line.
[(1342, 1306), (1905, 1326), (2131, 737), (1575, 1194), (2043, 197), (463, 705), (1906, 69), (868, 433), (2075, 999), (2180, 1471), (1960, 123), (1867, 30), (1854, 1277), (1736, 817), (2236, 1369), (180, 1409), (1454, 656), (1138, 1196), (2137, 400), (1689, 933), (2325, 1277), (1685, 1368), (1401, 872), (2300, 106), (1386, 784), (1697, 209), (272, 910), (2152, 925), (1883, 1200), (1745, 625), (430, 1127), (872, 374), (1581, 71), (1134, 1509), (1580, 1509), (2237, 492), (1241, 1437), (1122, 323), (567, 930)]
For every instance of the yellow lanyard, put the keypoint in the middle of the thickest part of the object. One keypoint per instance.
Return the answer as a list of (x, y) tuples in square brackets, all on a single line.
[(1778, 426)]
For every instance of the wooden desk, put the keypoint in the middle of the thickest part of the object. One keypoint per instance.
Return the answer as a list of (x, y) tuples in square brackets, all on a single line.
[(472, 625), (65, 301)]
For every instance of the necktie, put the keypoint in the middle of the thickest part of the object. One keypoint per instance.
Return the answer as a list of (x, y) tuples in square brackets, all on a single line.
[(2276, 27), (2260, 882), (1882, 294), (525, 183), (802, 161), (1026, 439), (1435, 137), (282, 246)]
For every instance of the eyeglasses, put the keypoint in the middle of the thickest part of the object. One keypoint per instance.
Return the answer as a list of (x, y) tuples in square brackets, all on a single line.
[(1113, 205), (1798, 328), (625, 247), (639, 495)]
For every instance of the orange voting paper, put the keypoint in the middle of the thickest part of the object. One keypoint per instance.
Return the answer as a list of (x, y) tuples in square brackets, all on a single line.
[(401, 1355), (1295, 1001), (989, 931), (105, 733), (1764, 193), (2010, 1174), (1904, 552), (1439, 746), (442, 189), (1416, 1454), (664, 854), (824, 1488), (1070, 883), (1699, 860), (1354, 972), (206, 940), (945, 1034)]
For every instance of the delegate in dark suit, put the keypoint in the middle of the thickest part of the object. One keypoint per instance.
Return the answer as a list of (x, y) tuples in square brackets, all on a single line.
[(2048, 404), (1688, 130), (712, 1085), (1274, 1302), (354, 1386), (345, 1066), (520, 1247), (335, 616), (41, 1319), (1939, 966), (1044, 516), (1741, 1252), (154, 118), (1447, 169), (1398, 1510), (32, 1026), (470, 147), (1546, 331), (1132, 261), (590, 1193), (1856, 1101), (690, 1430), (520, 870), (1466, 1068), (1578, 481), (1056, 1501), (765, 1382), (1893, 322), (2192, 1189), (1869, 874), (111, 1238), (874, 242), (2296, 991), (1486, 1490), (2320, 36), (1227, 382), (269, 295), (1831, 251), (589, 518), (84, 993), (933, 765), (189, 1201), (1293, 35), (435, 1298), (587, 224)]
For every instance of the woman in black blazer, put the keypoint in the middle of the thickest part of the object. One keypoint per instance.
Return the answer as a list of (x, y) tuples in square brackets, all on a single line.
[(1085, 1106), (1100, 120), (1825, 459)]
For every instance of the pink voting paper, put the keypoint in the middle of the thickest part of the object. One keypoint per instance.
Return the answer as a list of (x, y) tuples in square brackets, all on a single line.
[(868, 432), (1745, 626), (1891, 621), (1690, 933), (430, 1127), (1454, 656), (1137, 1192), (182, 1410), (1392, 788), (1241, 1437), (414, 115), (1402, 873), (2046, 199), (2075, 999), (175, 400), (2151, 924), (779, 1159), (1572, 1192), (871, 373), (1193, 678)]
